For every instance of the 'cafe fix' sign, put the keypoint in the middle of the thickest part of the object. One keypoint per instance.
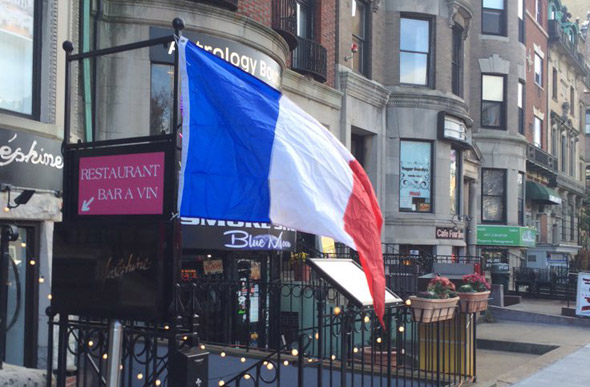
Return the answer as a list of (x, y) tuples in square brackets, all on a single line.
[(128, 184)]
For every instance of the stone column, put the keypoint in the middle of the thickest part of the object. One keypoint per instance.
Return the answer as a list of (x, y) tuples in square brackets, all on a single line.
[(472, 223)]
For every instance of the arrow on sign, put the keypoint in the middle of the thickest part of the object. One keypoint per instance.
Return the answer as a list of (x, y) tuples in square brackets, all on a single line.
[(86, 203)]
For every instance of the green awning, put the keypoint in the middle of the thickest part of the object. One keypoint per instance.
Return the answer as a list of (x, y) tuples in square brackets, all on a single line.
[(541, 194)]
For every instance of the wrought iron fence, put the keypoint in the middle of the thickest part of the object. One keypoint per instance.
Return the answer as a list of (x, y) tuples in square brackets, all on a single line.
[(305, 333), (310, 57), (284, 20), (556, 282)]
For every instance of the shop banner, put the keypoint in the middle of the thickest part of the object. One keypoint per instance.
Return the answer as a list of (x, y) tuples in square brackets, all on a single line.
[(30, 161), (213, 234), (506, 236), (583, 295)]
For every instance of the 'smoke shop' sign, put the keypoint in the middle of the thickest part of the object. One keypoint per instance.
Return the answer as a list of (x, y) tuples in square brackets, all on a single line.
[(227, 235)]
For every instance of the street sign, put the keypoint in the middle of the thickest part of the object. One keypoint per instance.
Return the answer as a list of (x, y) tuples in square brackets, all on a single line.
[(583, 295), (127, 184)]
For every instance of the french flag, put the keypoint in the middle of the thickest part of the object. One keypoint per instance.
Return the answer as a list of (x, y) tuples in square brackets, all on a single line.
[(251, 154)]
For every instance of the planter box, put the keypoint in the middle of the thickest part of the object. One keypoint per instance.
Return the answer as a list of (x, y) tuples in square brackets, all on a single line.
[(427, 310), (473, 302)]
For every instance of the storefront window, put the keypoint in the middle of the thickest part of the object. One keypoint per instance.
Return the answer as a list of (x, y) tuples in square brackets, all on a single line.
[(493, 195), (17, 32), (454, 183), (415, 176), (161, 98)]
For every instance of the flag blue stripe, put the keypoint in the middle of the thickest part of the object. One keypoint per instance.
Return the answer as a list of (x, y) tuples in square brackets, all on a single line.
[(232, 122)]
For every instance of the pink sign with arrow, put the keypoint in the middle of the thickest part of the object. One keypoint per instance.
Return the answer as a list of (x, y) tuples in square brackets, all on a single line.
[(129, 184)]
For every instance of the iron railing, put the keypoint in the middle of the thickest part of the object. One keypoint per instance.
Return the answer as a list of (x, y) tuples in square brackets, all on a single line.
[(541, 159), (284, 20), (310, 58), (557, 34), (555, 282)]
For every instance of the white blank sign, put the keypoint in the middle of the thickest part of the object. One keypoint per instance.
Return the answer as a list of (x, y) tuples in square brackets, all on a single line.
[(349, 278)]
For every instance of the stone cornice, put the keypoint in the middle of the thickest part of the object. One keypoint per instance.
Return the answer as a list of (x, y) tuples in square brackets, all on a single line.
[(363, 89), (422, 98), (209, 19), (570, 184), (500, 136), (302, 85)]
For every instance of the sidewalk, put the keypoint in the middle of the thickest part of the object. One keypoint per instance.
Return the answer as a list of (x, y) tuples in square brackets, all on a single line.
[(514, 352), (571, 371)]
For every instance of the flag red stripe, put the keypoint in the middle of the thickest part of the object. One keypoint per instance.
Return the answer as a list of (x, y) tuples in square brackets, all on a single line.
[(363, 222)]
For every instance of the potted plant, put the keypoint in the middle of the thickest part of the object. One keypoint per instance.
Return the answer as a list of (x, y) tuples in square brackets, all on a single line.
[(301, 271), (437, 303), (473, 294)]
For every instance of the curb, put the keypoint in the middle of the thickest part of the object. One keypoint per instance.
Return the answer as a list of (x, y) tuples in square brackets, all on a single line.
[(512, 346), (537, 318)]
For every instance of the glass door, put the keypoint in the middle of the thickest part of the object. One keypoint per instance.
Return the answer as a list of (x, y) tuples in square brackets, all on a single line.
[(21, 310)]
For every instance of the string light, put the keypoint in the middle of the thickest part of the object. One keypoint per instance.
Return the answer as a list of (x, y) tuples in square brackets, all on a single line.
[(247, 376), (367, 319), (401, 329), (333, 357), (185, 338), (379, 340), (222, 354), (166, 327), (139, 376), (23, 244), (6, 209), (355, 350), (202, 346), (286, 363), (158, 382), (121, 367), (317, 335), (264, 362), (309, 360), (41, 280), (105, 356), (32, 262), (269, 366), (243, 360), (90, 343), (294, 352), (337, 310), (49, 297), (408, 302), (221, 383)]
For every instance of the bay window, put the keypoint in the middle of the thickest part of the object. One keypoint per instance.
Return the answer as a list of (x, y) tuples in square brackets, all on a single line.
[(492, 101)]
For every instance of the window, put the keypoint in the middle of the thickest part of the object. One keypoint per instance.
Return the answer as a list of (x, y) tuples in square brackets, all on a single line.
[(587, 128), (457, 72), (538, 70), (18, 35), (572, 99), (304, 19), (493, 195), (161, 98), (554, 84), (538, 134), (521, 194), (538, 11), (493, 17), (357, 148), (414, 56), (492, 101), (521, 107), (415, 176), (359, 32), (521, 21), (454, 182)]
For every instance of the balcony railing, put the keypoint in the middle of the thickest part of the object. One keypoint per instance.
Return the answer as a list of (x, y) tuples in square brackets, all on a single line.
[(310, 58), (232, 5), (542, 159), (284, 20), (556, 34)]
